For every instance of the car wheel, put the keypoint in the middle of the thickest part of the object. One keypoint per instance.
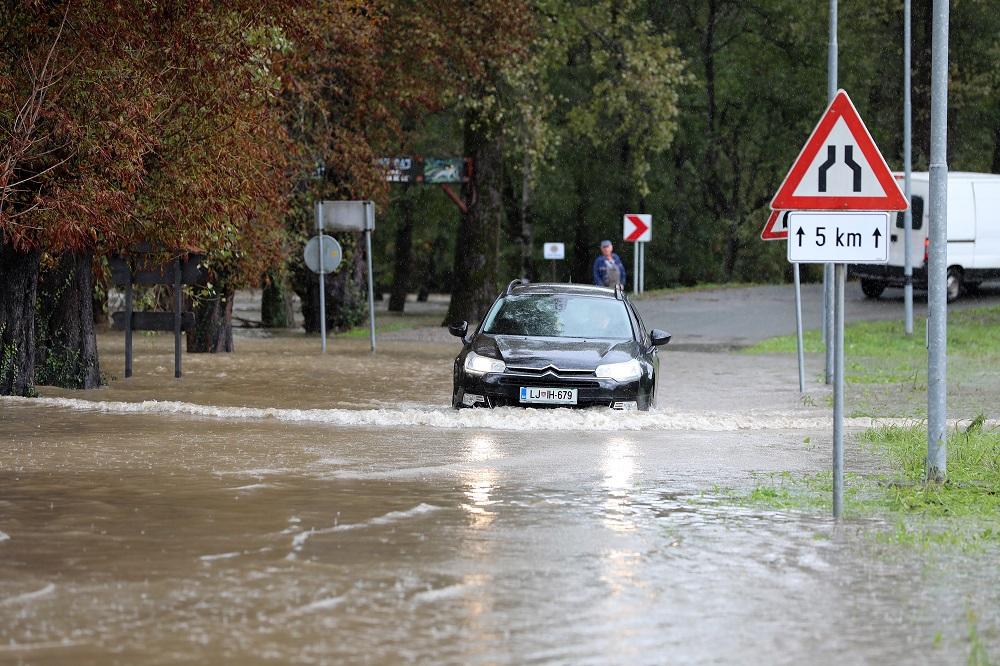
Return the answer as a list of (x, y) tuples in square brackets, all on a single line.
[(872, 288), (954, 284)]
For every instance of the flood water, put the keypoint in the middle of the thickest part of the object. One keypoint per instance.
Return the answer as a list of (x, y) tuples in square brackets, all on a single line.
[(274, 506)]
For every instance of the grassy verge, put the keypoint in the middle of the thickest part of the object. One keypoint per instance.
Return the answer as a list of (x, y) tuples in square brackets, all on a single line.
[(887, 371), (972, 333), (964, 511)]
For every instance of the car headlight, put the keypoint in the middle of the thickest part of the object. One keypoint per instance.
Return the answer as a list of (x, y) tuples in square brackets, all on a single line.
[(479, 365), (620, 372)]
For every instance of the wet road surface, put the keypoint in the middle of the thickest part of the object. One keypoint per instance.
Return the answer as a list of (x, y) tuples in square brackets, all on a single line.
[(278, 507)]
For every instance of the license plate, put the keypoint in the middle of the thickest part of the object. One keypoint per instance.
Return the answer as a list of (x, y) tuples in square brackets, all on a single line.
[(548, 396)]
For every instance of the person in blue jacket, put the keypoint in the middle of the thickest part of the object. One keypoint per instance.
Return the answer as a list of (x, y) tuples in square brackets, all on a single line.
[(608, 268)]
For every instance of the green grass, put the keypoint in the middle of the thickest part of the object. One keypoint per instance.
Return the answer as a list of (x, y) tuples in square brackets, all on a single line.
[(973, 485), (974, 332), (963, 512), (878, 352)]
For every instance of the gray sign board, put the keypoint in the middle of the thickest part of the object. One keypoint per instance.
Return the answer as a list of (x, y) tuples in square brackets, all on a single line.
[(347, 215)]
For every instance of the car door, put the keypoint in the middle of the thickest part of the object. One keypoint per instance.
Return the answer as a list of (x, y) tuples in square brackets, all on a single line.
[(642, 335)]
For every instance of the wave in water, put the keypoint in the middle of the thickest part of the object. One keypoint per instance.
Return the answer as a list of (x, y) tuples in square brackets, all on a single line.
[(508, 418)]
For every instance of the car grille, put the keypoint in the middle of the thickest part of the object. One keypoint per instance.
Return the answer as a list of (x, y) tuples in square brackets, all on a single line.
[(549, 370), (547, 380)]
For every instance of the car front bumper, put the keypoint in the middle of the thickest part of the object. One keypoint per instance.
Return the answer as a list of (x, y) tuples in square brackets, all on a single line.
[(504, 390)]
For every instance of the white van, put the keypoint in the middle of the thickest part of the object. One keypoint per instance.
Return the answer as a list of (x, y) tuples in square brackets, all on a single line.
[(973, 236)]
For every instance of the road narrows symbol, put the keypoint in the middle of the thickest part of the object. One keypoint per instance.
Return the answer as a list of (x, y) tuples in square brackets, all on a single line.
[(861, 181), (854, 166), (831, 159)]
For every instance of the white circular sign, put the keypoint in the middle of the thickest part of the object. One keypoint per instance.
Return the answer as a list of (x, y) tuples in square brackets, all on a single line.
[(554, 251), (332, 254)]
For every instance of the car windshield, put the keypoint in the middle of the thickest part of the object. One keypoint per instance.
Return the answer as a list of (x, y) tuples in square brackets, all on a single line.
[(559, 316)]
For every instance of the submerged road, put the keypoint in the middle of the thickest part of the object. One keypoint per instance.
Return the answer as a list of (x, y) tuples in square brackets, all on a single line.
[(278, 506)]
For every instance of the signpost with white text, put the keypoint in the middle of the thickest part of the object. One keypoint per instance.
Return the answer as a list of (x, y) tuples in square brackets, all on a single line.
[(837, 193)]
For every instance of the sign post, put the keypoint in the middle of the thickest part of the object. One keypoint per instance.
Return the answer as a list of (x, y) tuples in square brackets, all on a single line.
[(554, 252), (839, 190), (322, 273), (345, 216), (637, 228), (937, 264), (776, 228)]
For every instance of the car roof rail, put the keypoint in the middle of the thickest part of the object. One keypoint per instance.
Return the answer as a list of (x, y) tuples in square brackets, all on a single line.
[(619, 292), (514, 283)]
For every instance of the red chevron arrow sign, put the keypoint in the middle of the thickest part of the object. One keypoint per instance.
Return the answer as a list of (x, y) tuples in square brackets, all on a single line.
[(637, 227)]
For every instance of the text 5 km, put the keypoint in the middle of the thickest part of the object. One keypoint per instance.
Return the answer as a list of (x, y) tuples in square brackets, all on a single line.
[(843, 238), (855, 237)]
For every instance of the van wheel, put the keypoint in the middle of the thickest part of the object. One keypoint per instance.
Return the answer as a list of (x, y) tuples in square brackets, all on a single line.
[(872, 288), (954, 283)]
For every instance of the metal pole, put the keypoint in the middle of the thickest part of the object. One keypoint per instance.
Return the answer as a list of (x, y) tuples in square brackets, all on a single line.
[(642, 271), (322, 282), (831, 92), (798, 327), (839, 279), (907, 169), (937, 271), (635, 268), (177, 318), (370, 206), (128, 326), (642, 267)]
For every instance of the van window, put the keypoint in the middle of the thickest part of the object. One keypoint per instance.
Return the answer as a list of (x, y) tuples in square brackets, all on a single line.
[(918, 213)]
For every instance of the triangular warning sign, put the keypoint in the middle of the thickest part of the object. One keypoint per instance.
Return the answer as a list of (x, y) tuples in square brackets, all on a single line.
[(776, 227), (840, 168)]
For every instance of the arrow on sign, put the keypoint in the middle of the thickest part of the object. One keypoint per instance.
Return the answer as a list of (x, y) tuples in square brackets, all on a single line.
[(877, 235), (639, 228), (800, 234)]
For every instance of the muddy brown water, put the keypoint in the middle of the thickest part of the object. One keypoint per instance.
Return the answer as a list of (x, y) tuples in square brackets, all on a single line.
[(275, 506)]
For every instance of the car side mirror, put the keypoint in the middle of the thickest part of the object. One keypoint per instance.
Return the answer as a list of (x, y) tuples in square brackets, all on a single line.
[(459, 328), (658, 337)]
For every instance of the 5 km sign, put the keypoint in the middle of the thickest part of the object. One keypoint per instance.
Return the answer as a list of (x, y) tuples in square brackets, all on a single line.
[(819, 238)]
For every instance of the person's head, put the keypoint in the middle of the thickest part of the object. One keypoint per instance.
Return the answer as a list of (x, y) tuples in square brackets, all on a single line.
[(607, 248)]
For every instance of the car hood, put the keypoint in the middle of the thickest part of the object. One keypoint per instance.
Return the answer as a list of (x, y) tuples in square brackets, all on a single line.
[(562, 353)]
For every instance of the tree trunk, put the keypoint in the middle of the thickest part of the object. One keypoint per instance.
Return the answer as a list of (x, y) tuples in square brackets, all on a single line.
[(66, 350), (404, 253), (995, 167), (18, 289), (475, 277), (213, 324), (277, 305), (527, 228)]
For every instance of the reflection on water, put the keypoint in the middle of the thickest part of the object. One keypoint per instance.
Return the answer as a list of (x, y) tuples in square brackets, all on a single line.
[(480, 481), (618, 464)]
